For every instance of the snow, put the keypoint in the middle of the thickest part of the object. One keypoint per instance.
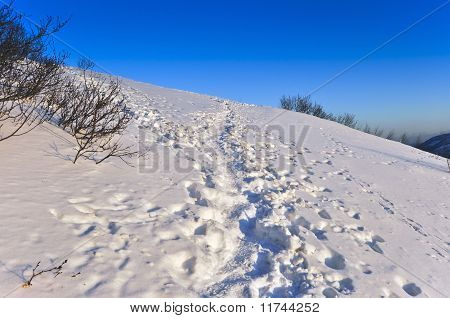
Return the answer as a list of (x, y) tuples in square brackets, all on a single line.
[(236, 207)]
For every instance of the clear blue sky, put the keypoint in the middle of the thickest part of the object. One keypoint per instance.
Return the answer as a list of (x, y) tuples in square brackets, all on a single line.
[(256, 51)]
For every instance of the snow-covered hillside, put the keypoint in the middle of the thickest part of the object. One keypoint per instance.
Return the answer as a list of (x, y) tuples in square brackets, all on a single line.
[(237, 206)]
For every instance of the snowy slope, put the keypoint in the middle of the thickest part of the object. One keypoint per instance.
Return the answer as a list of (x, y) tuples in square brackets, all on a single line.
[(234, 209)]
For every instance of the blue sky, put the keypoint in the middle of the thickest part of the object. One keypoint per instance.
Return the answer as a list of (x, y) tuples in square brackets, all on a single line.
[(256, 51)]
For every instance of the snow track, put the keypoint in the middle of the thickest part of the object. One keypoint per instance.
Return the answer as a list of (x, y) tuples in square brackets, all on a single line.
[(225, 206)]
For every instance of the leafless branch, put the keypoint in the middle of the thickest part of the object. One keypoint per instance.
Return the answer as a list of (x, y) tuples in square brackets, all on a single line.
[(56, 270), (92, 109), (28, 74)]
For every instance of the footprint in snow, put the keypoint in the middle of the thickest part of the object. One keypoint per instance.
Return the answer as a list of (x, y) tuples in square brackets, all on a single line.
[(412, 289)]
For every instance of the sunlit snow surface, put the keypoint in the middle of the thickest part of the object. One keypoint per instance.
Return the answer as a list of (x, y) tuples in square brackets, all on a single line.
[(224, 205)]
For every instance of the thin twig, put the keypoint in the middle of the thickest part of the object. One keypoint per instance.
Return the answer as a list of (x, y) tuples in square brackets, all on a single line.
[(57, 270)]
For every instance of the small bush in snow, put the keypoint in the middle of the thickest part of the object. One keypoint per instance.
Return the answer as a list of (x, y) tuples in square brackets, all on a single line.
[(92, 109)]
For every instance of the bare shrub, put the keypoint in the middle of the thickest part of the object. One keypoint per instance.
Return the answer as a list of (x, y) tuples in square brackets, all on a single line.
[(28, 75), (92, 109)]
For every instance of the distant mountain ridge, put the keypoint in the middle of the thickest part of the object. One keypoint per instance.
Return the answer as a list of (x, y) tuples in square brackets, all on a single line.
[(439, 145)]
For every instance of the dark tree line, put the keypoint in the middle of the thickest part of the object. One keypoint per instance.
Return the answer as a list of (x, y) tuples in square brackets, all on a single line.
[(35, 88), (303, 104)]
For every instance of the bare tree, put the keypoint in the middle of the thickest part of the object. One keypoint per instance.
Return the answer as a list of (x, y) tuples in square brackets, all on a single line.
[(347, 120), (287, 103), (366, 129), (378, 132), (318, 111), (404, 139), (28, 75), (303, 104), (418, 143), (391, 135), (92, 109), (35, 87)]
